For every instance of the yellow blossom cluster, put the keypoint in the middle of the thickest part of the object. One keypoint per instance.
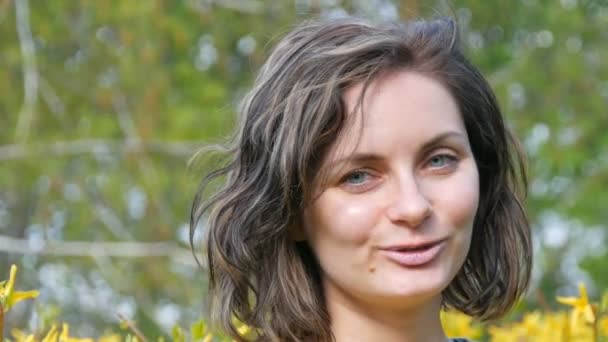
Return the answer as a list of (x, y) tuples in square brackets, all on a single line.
[(584, 322)]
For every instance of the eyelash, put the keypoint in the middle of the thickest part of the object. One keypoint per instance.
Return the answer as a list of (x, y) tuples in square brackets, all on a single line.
[(364, 185), (355, 172), (449, 158)]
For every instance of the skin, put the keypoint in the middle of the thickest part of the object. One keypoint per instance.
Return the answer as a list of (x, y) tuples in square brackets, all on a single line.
[(403, 173)]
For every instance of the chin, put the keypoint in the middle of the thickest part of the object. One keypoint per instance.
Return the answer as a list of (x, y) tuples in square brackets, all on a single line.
[(420, 286)]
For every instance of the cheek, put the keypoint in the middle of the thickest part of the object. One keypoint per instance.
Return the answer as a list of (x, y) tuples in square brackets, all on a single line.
[(463, 206), (345, 219), (458, 199)]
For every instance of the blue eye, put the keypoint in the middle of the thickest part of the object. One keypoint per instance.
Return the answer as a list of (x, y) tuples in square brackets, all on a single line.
[(441, 160), (357, 177)]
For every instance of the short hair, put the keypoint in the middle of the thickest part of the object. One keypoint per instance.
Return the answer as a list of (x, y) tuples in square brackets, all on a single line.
[(260, 274)]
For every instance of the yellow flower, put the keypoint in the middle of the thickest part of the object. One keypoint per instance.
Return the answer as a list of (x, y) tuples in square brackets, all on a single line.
[(603, 326), (532, 323), (243, 330), (556, 326), (505, 334), (131, 338), (8, 297), (52, 335), (580, 306), (458, 324), (21, 336), (64, 337), (110, 338)]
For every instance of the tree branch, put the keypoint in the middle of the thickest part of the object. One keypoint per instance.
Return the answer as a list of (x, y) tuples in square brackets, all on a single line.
[(99, 249), (91, 146), (248, 6), (131, 325), (125, 120), (243, 6), (51, 98), (30, 73), (106, 215)]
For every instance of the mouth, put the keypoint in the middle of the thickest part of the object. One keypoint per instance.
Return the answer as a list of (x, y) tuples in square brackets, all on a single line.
[(415, 255)]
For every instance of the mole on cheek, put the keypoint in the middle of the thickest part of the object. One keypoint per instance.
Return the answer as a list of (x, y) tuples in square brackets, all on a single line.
[(371, 267)]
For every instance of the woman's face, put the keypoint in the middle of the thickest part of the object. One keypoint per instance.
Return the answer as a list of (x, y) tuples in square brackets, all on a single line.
[(392, 223)]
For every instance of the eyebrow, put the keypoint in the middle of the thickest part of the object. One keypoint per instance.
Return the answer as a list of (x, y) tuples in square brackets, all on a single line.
[(439, 139), (429, 145)]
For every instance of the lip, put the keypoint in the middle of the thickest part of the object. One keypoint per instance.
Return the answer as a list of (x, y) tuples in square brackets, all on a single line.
[(413, 245), (414, 255)]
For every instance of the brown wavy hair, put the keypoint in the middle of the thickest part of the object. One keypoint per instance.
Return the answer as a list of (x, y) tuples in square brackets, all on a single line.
[(258, 272)]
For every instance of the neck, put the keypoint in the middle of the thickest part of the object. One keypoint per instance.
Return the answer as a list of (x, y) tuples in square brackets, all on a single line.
[(355, 321)]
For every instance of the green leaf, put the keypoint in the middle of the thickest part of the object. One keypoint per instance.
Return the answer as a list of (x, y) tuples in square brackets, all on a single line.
[(604, 302), (178, 334), (197, 330)]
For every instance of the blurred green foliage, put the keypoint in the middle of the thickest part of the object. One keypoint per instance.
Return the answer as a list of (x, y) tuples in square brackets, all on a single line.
[(103, 102)]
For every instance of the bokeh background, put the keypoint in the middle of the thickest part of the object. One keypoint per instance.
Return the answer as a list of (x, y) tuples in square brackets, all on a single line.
[(102, 103)]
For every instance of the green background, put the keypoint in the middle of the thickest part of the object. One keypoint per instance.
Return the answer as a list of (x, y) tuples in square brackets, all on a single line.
[(102, 103)]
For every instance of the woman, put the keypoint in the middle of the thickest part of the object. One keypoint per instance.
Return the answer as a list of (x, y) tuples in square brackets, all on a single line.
[(371, 183)]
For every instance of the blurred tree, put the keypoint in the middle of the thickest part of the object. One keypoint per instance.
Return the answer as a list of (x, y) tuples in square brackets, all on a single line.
[(544, 59)]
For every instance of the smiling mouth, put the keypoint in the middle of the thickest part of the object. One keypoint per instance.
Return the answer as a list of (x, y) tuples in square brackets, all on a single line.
[(414, 256)]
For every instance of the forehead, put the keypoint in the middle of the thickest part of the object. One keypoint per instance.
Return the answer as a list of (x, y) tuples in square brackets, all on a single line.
[(402, 108)]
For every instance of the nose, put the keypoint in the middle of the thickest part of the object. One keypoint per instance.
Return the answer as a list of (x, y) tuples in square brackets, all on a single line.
[(409, 206)]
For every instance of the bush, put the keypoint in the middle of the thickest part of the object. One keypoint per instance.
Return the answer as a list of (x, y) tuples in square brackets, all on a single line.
[(584, 321)]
